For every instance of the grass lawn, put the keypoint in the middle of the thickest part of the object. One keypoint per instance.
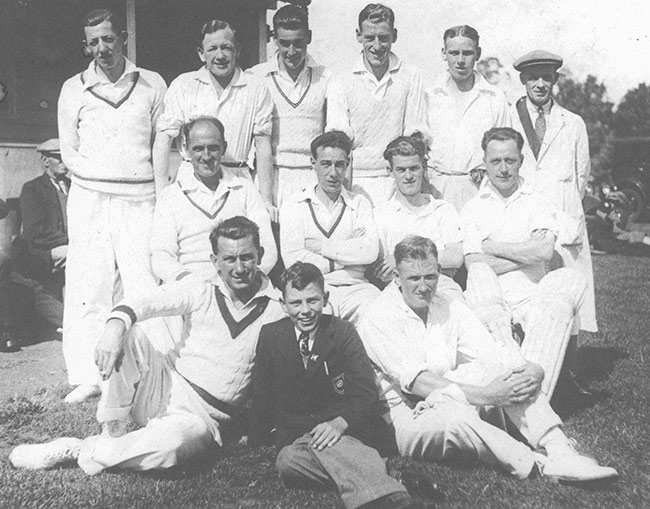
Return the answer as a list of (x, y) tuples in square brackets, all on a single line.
[(614, 426)]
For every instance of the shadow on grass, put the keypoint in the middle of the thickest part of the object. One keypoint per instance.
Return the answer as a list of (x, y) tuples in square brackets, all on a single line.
[(597, 364)]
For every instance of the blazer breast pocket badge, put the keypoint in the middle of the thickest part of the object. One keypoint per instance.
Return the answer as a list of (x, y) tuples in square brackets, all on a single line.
[(338, 384)]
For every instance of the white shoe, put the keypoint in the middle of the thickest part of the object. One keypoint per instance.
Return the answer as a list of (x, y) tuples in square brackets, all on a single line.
[(573, 468), (51, 454), (83, 392)]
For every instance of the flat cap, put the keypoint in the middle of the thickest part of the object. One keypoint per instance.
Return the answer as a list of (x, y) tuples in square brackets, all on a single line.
[(538, 57), (50, 146)]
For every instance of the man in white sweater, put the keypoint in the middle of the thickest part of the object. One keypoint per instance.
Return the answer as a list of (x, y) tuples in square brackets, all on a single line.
[(189, 209), (298, 87), (332, 228), (379, 100), (107, 115), (183, 401)]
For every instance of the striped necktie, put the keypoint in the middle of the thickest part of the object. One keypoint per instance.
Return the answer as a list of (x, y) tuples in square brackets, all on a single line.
[(540, 124), (303, 344)]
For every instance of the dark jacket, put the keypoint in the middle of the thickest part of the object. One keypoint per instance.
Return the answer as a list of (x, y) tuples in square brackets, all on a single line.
[(292, 399), (44, 227)]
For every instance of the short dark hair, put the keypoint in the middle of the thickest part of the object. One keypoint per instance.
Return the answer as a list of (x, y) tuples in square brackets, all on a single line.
[(461, 30), (413, 145), (414, 247), (300, 275), (290, 17), (502, 134), (376, 13), (336, 139), (212, 26), (235, 228), (187, 128), (98, 16)]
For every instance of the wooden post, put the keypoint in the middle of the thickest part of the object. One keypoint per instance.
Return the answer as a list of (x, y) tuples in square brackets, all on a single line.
[(130, 29), (262, 33)]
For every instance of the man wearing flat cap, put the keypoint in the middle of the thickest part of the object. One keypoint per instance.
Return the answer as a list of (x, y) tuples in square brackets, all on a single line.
[(556, 163), (43, 204)]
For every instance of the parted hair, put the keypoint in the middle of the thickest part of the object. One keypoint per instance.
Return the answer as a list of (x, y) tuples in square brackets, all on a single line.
[(187, 128), (336, 139), (376, 13), (300, 275), (235, 228), (502, 134), (212, 26), (414, 247), (461, 30), (413, 145), (290, 17), (98, 16)]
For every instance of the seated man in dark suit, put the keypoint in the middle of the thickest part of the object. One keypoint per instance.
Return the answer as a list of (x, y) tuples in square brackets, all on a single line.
[(313, 383), (43, 202)]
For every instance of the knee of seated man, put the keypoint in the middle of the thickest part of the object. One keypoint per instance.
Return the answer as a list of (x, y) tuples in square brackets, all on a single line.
[(287, 462)]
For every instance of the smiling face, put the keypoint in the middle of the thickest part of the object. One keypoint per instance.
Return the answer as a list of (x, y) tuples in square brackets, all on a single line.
[(237, 262), (417, 279), (304, 307), (105, 46), (539, 81), (292, 47), (220, 53), (377, 40), (330, 165), (408, 172), (502, 162), (461, 54), (205, 146)]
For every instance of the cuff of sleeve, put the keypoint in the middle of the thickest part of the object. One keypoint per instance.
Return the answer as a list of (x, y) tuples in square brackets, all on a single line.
[(451, 391), (124, 313), (408, 376)]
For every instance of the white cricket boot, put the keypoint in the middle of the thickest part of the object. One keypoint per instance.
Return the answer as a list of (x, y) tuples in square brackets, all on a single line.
[(48, 455)]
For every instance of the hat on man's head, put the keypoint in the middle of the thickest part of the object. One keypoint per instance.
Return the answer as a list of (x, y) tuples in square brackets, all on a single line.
[(538, 57), (50, 146)]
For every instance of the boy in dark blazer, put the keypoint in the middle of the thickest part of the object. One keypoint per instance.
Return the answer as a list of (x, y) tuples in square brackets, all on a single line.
[(314, 385)]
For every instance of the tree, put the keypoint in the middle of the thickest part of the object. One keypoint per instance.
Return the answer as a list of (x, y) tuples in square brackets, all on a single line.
[(632, 118), (588, 100)]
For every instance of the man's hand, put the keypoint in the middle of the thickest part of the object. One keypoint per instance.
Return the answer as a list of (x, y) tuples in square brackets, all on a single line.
[(502, 391), (314, 245), (326, 434), (273, 211), (110, 348), (382, 269), (527, 379)]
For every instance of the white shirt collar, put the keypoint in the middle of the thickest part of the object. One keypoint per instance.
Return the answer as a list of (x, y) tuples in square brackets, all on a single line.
[(188, 182), (398, 205), (309, 193), (266, 289), (487, 190), (394, 63), (239, 79), (533, 110), (94, 74)]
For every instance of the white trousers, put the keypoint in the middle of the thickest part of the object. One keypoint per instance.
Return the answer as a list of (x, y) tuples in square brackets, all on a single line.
[(291, 181), (451, 426), (377, 189), (175, 423), (547, 317), (108, 259), (348, 302)]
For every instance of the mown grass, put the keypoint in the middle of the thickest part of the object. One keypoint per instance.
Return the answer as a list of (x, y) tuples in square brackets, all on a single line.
[(614, 426)]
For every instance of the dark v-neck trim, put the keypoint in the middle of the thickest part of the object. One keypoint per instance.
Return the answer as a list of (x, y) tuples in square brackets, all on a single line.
[(235, 327), (286, 98), (207, 214), (134, 80), (327, 234)]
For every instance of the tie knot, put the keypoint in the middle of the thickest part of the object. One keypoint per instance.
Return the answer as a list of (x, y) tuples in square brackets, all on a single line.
[(540, 110)]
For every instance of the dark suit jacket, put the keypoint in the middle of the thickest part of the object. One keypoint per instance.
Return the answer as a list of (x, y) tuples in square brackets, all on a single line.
[(43, 223), (294, 399)]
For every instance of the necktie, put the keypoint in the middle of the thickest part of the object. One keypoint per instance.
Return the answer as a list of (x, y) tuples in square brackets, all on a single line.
[(540, 124), (303, 343)]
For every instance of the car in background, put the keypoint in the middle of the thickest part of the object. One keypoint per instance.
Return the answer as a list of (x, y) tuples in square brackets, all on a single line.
[(631, 173)]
